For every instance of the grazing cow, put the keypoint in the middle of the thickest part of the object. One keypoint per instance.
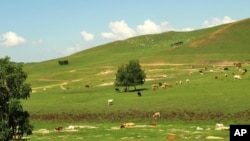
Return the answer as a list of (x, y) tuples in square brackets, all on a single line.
[(160, 83), (71, 127), (153, 123), (237, 77), (154, 86), (216, 77), (187, 80), (110, 102), (243, 71), (190, 73), (167, 85), (157, 115), (139, 94), (237, 65), (220, 126), (199, 128), (117, 89), (87, 85), (127, 124), (59, 128), (178, 82)]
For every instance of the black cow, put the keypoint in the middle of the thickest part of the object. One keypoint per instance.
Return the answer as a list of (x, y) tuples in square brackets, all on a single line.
[(117, 89), (139, 94)]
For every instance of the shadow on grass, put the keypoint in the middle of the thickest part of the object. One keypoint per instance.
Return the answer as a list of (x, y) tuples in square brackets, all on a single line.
[(138, 90)]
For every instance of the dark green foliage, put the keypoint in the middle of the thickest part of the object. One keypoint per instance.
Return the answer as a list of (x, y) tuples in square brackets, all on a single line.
[(13, 119), (63, 62), (130, 74)]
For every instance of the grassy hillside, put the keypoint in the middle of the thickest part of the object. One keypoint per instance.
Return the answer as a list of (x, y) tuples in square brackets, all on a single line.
[(60, 98), (223, 43), (212, 48)]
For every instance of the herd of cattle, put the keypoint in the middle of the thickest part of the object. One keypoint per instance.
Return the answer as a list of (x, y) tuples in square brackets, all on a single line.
[(237, 74), (156, 115)]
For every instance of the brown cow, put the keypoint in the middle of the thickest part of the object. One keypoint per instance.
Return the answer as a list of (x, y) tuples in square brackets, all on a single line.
[(59, 128), (157, 115), (167, 85), (154, 86), (127, 124)]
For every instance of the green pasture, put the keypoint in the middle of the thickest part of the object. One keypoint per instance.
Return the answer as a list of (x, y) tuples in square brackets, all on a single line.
[(59, 96), (203, 102), (203, 93)]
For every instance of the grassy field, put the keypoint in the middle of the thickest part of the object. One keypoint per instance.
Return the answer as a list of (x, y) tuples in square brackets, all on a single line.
[(203, 102), (60, 98)]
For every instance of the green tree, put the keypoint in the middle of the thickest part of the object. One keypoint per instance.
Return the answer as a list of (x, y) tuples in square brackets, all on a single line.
[(130, 74), (14, 121)]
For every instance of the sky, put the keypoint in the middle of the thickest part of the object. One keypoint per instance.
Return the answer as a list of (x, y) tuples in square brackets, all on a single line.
[(40, 30)]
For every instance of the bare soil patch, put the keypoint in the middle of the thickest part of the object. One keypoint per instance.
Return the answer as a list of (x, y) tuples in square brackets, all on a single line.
[(210, 36)]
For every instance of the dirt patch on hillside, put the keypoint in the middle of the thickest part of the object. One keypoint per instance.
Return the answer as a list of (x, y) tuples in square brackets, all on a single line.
[(105, 72), (210, 36), (106, 84)]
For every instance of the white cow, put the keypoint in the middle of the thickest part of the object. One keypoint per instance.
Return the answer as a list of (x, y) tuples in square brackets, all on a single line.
[(110, 101), (237, 77)]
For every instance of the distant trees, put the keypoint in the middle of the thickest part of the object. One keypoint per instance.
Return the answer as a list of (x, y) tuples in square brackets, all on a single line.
[(130, 74), (14, 121), (63, 62), (177, 43)]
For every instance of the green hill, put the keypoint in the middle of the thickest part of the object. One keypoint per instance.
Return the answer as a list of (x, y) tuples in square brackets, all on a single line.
[(227, 42), (59, 95), (211, 48)]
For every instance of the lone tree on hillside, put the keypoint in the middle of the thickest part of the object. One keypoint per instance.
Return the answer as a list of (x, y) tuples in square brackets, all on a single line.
[(14, 121), (130, 74)]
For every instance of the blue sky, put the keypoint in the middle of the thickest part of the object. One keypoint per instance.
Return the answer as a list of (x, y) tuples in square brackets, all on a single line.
[(39, 30)]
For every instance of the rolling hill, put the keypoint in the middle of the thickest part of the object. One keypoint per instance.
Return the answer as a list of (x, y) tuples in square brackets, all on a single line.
[(229, 42), (58, 91), (59, 95)]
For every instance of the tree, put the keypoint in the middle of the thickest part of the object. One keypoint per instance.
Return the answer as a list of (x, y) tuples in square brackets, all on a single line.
[(14, 121), (130, 74)]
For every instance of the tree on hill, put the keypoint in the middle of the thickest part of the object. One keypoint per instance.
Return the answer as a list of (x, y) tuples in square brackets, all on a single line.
[(130, 74), (14, 121)]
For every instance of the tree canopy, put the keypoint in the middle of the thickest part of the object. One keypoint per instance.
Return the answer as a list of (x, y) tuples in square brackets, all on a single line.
[(130, 74), (14, 121)]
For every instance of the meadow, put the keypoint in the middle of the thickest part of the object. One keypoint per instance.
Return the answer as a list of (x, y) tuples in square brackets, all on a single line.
[(59, 96), (202, 102)]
